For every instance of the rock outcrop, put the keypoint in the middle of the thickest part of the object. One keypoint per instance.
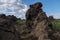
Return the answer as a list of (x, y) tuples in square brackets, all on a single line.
[(38, 22), (51, 18), (7, 28)]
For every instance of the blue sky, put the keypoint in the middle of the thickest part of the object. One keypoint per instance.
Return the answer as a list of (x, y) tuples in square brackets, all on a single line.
[(51, 7), (19, 7)]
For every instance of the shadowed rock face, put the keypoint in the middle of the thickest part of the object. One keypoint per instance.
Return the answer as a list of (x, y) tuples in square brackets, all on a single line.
[(32, 13), (7, 29), (36, 5), (51, 18), (37, 20)]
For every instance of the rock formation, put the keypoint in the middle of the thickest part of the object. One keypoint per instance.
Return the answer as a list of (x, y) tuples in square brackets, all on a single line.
[(51, 18), (37, 20), (7, 29), (38, 26)]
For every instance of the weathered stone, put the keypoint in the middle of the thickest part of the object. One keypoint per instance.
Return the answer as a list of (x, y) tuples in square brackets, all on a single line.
[(32, 13), (7, 29), (37, 20), (51, 18)]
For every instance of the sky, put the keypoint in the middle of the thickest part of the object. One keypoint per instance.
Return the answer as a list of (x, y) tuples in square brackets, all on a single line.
[(19, 7)]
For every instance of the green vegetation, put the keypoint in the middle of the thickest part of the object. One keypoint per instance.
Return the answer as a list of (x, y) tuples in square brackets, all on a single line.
[(21, 22), (56, 24)]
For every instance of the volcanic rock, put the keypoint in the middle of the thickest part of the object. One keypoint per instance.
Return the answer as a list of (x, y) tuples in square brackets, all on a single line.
[(7, 28), (38, 22)]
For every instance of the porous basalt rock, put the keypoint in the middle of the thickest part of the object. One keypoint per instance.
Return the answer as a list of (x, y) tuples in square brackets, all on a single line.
[(51, 18), (32, 13), (38, 22), (7, 28)]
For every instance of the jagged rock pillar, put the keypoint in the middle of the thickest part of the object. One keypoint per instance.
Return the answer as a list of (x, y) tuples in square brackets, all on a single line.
[(37, 20)]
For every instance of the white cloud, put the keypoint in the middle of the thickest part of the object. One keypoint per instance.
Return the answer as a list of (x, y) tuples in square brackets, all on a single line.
[(8, 1), (4, 1), (55, 15), (15, 6)]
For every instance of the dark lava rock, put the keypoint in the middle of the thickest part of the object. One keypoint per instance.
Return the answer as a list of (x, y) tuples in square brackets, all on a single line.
[(38, 22), (51, 18), (32, 13), (7, 29)]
